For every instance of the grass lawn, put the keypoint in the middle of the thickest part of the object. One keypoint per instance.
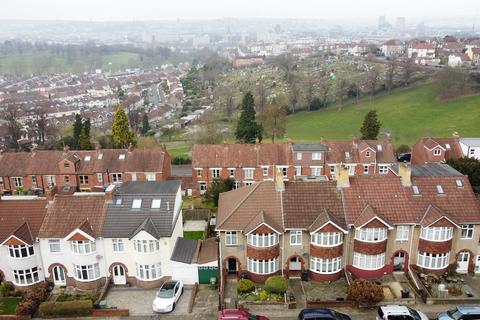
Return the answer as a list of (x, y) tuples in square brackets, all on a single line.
[(195, 235), (8, 305), (409, 114)]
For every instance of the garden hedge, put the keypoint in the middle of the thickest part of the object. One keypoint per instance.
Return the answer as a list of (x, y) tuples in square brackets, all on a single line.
[(245, 286), (79, 308), (276, 284)]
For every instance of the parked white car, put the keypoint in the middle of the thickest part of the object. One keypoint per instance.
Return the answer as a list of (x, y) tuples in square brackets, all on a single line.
[(397, 312), (167, 296)]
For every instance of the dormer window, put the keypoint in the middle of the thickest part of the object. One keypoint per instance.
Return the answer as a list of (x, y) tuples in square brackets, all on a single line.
[(440, 189), (87, 158), (156, 203), (137, 203), (121, 156), (367, 154), (66, 164), (416, 190), (379, 147), (437, 152), (459, 183)]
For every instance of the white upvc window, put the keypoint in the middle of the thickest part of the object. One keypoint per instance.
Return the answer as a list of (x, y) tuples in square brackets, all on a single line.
[(327, 239), (100, 177), (433, 260), (332, 170), (149, 271), (283, 170), (382, 169), (317, 156), (365, 169), (118, 245), (248, 173), (467, 231), (202, 186), (263, 266), (231, 238), (156, 203), (83, 246), (351, 170), (326, 266), (265, 171), (21, 251), (263, 240), (87, 272), (215, 173), (18, 182), (298, 171), (436, 233), (367, 154), (116, 177), (54, 245), (83, 180), (472, 151), (150, 176), (368, 262), (299, 156), (50, 180), (316, 171), (402, 233), (440, 189), (437, 152), (26, 276), (371, 234), (296, 237), (199, 172), (146, 246)]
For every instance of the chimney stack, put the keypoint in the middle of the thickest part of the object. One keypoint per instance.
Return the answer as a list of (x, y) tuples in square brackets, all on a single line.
[(279, 184), (50, 193), (455, 135), (130, 147), (405, 172), (342, 176)]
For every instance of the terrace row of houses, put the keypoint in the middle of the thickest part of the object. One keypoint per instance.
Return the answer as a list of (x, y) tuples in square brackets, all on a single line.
[(421, 217), (127, 234)]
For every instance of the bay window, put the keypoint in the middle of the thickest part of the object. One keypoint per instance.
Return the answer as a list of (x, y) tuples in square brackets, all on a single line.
[(87, 272), (436, 233), (327, 239), (26, 277), (262, 240), (320, 265), (433, 260), (146, 246), (263, 266), (231, 238), (21, 251), (371, 234), (149, 271), (83, 246), (368, 262)]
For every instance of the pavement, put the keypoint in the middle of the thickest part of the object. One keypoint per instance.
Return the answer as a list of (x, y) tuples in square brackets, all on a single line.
[(195, 225)]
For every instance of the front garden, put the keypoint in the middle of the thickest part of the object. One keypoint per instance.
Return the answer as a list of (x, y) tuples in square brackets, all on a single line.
[(273, 291)]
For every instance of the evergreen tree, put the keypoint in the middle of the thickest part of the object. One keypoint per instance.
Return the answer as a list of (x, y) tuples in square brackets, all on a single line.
[(145, 124), (371, 126), (84, 140), (219, 186), (77, 129), (87, 126), (121, 134), (248, 130)]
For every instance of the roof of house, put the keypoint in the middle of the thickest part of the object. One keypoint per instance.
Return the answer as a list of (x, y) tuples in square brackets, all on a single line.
[(338, 150), (311, 147), (208, 251), (184, 250), (47, 162), (67, 213), (471, 142), (453, 150), (123, 221), (17, 215), (430, 170)]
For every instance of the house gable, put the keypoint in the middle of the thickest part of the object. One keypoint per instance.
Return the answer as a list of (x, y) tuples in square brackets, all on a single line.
[(79, 235), (13, 241)]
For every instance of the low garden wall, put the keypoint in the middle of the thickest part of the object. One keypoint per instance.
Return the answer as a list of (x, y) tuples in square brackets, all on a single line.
[(110, 312)]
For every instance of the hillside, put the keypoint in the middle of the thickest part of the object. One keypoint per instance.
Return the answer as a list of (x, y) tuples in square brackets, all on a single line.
[(408, 114)]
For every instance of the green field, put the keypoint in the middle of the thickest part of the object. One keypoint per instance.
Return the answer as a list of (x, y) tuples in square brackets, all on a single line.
[(409, 114)]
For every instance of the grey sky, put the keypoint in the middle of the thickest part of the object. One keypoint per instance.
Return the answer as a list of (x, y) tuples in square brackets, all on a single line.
[(212, 9)]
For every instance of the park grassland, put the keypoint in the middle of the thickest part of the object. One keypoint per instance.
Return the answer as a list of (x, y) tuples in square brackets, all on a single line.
[(409, 114)]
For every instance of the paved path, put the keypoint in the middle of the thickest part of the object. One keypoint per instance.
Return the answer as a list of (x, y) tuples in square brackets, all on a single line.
[(230, 293), (296, 286)]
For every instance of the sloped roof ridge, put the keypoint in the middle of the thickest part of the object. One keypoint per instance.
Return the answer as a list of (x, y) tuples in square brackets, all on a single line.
[(25, 223), (429, 208), (143, 226)]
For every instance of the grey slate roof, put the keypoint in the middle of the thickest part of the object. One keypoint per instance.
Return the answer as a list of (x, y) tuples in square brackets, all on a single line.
[(185, 250), (431, 170), (309, 147), (471, 142), (122, 221)]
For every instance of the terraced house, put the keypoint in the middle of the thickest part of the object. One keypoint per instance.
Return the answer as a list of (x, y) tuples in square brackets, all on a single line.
[(72, 171), (425, 217), (250, 163)]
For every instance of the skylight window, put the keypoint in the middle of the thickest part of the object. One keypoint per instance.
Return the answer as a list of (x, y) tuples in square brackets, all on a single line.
[(100, 156), (87, 158), (121, 156), (118, 201), (447, 146), (156, 203), (459, 183), (137, 203), (439, 189), (415, 190), (379, 147)]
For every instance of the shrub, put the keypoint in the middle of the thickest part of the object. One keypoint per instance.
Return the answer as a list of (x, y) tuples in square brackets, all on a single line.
[(403, 148), (454, 290), (245, 286), (181, 160), (32, 299), (5, 289), (365, 292), (79, 308), (263, 295), (276, 284)]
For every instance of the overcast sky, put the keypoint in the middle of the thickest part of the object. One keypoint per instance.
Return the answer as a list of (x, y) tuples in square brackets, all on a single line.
[(105, 10)]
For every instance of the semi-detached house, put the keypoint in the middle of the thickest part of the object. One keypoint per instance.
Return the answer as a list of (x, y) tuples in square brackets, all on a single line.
[(426, 217)]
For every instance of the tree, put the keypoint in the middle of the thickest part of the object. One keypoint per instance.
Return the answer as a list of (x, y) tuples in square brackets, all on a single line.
[(87, 127), (390, 74), (77, 129), (309, 92), (218, 186), (469, 167), (371, 126), (273, 120), (40, 125), (145, 124), (208, 130), (14, 128), (261, 96), (293, 95), (134, 119), (121, 134), (452, 82), (84, 140), (408, 68), (342, 90), (325, 86), (248, 130), (353, 91), (373, 77), (169, 132)]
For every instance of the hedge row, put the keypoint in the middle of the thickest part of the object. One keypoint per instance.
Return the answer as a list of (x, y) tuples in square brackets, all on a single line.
[(79, 308)]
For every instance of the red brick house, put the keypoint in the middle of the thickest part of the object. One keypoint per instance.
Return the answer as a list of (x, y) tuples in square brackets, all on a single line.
[(425, 216), (431, 150), (75, 170)]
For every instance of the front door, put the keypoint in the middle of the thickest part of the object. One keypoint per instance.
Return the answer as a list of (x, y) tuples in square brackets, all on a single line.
[(59, 276), (232, 265), (119, 275), (399, 261), (295, 264), (462, 262)]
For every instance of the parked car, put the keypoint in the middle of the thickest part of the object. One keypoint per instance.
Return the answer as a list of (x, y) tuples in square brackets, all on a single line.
[(397, 312), (460, 313), (404, 157), (322, 314), (235, 314), (167, 296)]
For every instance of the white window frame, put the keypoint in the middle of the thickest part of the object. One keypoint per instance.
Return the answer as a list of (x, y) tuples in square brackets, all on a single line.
[(54, 245), (87, 272), (83, 247), (116, 177), (149, 272), (156, 203), (118, 245), (382, 169), (100, 177), (248, 173), (351, 169), (436, 234), (299, 156), (199, 172), (231, 172), (403, 233), (467, 231), (440, 189), (283, 170), (367, 153), (202, 187), (1, 181), (371, 234), (25, 277), (17, 182), (316, 171), (83, 179), (215, 173), (21, 251), (236, 184), (316, 156), (366, 169), (231, 238), (296, 237), (326, 239), (150, 176), (263, 266), (433, 261), (146, 246), (326, 266), (265, 171), (298, 171), (368, 262), (263, 240), (437, 152), (137, 204)]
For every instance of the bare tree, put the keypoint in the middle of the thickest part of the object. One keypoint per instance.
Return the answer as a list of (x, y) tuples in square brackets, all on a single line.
[(135, 119), (390, 74), (342, 90), (14, 127), (286, 62), (408, 68), (273, 120), (41, 125), (261, 99), (208, 130), (293, 95), (309, 91), (324, 89), (372, 81)]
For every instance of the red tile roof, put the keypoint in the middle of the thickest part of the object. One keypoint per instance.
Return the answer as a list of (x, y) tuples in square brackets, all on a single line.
[(419, 153)]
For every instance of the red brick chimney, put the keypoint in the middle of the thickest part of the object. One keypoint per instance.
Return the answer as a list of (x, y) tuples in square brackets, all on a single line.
[(50, 193)]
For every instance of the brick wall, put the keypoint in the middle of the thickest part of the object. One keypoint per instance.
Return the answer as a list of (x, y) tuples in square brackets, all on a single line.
[(263, 253), (434, 247), (325, 277), (326, 252), (370, 248)]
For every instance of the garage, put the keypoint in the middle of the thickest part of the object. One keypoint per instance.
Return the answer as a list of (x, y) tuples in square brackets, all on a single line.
[(205, 273)]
